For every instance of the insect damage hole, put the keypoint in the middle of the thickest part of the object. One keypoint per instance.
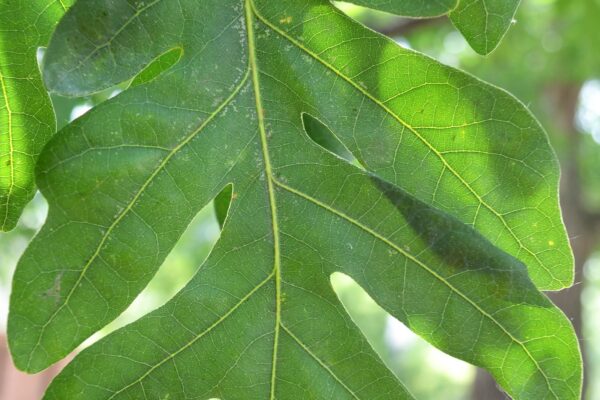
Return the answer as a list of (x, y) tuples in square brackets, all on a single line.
[(158, 66), (326, 139)]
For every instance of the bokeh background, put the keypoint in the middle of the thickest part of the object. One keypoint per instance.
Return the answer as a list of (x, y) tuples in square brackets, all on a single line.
[(550, 60)]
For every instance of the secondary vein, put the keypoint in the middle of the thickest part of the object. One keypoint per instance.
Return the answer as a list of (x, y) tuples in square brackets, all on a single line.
[(438, 154), (108, 42), (136, 197), (62, 5), (319, 361), (197, 337), (418, 262)]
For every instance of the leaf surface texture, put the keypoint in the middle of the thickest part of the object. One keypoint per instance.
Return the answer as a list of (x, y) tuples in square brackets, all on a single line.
[(484, 22), (448, 211), (26, 115)]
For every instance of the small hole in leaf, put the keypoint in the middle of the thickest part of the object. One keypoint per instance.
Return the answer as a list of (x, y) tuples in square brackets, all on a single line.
[(222, 203), (158, 66), (325, 138)]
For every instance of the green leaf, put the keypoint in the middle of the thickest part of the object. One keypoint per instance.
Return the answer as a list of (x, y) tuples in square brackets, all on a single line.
[(484, 22), (443, 155), (26, 115), (410, 8)]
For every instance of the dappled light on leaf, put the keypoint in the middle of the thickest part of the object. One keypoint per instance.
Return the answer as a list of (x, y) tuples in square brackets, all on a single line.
[(327, 148), (26, 118)]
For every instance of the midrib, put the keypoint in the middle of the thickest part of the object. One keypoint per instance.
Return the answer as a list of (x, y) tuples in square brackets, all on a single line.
[(250, 11), (270, 186)]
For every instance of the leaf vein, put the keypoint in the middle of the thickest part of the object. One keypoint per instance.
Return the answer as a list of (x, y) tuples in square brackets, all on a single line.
[(439, 155), (134, 200), (317, 359), (422, 265), (197, 337), (270, 188)]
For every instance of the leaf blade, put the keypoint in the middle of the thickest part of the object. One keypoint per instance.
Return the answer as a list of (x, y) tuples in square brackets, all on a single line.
[(256, 141), (483, 22), (523, 140), (419, 9), (26, 114)]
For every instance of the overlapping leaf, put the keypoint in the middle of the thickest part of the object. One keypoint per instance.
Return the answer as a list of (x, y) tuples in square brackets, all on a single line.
[(482, 22), (26, 115), (410, 8), (442, 153)]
